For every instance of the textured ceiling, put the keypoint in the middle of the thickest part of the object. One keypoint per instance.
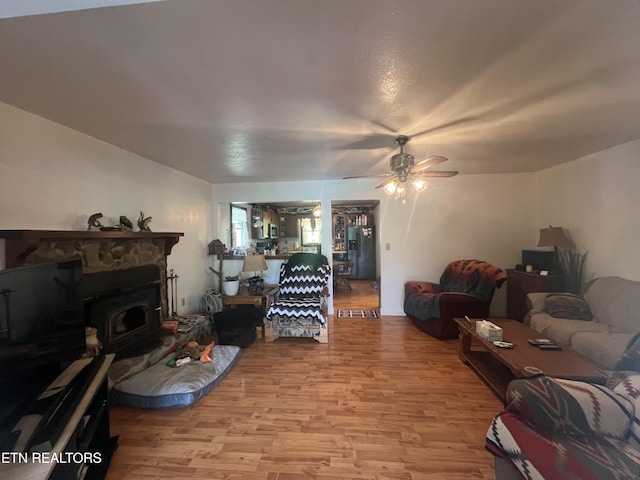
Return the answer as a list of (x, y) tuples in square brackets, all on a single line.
[(272, 90)]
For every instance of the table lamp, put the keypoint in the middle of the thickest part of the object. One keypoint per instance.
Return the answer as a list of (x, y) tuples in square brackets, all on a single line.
[(553, 237), (255, 263)]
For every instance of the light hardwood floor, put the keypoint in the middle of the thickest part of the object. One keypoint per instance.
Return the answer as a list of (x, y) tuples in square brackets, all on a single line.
[(381, 400), (361, 296)]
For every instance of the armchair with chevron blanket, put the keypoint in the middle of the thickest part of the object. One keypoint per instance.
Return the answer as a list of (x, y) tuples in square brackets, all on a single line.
[(466, 287), (300, 308)]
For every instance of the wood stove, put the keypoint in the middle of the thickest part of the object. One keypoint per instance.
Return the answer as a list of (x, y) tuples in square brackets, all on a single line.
[(125, 307)]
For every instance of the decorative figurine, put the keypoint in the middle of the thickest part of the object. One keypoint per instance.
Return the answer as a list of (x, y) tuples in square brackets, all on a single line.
[(125, 224), (143, 223), (93, 221)]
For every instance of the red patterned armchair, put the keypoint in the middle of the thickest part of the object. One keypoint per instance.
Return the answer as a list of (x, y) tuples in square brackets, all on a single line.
[(466, 288), (557, 429)]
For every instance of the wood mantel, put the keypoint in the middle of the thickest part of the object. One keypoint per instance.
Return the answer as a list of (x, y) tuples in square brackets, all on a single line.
[(20, 243)]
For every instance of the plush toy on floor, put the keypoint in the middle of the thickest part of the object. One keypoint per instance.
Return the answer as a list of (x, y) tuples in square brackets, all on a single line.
[(194, 351)]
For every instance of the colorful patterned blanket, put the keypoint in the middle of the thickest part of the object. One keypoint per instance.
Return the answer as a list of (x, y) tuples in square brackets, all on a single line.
[(473, 277), (559, 429)]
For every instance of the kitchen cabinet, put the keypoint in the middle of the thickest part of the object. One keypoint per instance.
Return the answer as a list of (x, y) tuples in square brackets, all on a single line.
[(293, 226), (289, 226), (354, 241), (266, 221), (339, 234), (257, 223), (261, 218), (340, 224), (284, 227)]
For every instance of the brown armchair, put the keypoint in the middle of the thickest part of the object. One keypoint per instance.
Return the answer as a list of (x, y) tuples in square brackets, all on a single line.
[(466, 287)]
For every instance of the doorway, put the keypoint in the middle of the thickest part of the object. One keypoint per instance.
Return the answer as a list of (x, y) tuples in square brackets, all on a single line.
[(363, 295), (355, 246)]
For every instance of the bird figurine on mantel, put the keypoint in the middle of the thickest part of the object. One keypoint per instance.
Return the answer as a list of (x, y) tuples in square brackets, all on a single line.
[(143, 223), (126, 224), (94, 221)]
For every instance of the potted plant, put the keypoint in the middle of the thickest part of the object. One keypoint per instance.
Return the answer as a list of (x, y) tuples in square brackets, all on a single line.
[(572, 262), (230, 285)]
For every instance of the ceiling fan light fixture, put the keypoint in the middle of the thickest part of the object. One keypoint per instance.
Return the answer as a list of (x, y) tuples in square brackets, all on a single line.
[(390, 188), (404, 168), (419, 184)]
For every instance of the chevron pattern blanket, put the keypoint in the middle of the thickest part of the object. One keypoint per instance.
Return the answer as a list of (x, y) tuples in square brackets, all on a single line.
[(294, 310), (303, 280)]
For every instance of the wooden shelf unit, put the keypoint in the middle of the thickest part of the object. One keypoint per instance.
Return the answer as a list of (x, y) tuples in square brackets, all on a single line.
[(520, 283)]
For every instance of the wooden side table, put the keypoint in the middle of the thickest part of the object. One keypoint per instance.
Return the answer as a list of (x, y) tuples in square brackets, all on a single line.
[(260, 299), (520, 283)]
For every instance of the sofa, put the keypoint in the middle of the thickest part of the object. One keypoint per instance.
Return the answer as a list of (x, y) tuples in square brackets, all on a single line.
[(564, 429), (600, 324), (466, 287)]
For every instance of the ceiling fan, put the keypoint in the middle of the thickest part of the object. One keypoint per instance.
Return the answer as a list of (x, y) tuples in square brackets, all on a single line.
[(404, 168)]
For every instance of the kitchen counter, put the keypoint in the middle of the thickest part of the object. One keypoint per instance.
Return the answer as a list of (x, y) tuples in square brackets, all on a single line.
[(267, 257), (233, 264)]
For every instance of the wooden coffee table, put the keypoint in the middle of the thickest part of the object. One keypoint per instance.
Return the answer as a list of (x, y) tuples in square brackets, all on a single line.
[(498, 366)]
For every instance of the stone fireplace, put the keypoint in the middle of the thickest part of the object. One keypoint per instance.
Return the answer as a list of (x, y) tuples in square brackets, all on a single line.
[(124, 278)]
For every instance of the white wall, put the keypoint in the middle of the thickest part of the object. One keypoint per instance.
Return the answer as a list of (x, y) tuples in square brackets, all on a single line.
[(53, 178), (596, 199), (490, 217)]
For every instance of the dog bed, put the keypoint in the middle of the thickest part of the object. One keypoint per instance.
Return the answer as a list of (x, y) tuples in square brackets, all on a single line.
[(161, 386)]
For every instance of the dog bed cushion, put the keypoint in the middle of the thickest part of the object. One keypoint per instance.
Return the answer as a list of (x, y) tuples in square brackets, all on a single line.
[(161, 386)]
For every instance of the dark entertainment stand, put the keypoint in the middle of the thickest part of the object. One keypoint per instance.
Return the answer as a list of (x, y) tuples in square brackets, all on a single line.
[(85, 434)]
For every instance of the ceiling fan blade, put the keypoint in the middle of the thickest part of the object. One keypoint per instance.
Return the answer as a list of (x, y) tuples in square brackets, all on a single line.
[(372, 142), (385, 127), (444, 125), (386, 182), (429, 162), (368, 176), (442, 173)]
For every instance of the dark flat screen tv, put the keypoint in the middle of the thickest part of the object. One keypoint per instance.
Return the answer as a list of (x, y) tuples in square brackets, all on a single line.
[(42, 312), (41, 330)]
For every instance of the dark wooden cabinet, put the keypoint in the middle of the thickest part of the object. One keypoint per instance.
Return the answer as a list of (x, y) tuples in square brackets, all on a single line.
[(520, 283), (257, 223), (284, 225), (289, 226), (339, 234)]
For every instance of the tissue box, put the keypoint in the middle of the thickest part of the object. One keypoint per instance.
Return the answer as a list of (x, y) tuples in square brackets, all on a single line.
[(488, 331)]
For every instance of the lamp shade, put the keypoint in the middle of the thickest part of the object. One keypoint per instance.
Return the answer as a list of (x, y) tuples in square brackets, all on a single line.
[(552, 237), (254, 263)]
